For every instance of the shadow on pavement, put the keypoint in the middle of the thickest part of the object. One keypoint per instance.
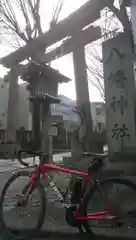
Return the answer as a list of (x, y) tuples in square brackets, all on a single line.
[(55, 236)]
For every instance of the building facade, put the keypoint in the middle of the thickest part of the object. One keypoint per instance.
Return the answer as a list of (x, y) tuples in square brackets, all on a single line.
[(65, 109)]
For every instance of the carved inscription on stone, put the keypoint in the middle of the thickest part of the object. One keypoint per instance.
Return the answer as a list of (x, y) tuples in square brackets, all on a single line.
[(119, 93), (118, 78), (120, 132), (119, 104)]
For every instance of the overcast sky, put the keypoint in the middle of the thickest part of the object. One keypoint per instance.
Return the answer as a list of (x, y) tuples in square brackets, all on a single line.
[(64, 64)]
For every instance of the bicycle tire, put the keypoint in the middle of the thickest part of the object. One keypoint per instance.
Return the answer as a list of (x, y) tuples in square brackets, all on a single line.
[(93, 189), (42, 212)]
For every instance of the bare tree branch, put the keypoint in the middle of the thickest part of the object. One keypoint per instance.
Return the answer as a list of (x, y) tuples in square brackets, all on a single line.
[(56, 13), (36, 16), (111, 22), (22, 21)]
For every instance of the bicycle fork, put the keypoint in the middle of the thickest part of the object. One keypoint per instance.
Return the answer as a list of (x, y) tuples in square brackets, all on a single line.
[(27, 191)]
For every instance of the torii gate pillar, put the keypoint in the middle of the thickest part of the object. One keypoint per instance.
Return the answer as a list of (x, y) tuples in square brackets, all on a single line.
[(12, 118), (81, 82)]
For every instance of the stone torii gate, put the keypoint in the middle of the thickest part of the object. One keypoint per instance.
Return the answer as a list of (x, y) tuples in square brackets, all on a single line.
[(76, 28)]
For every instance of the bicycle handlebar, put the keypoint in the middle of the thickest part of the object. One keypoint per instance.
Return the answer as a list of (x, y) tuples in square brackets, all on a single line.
[(43, 156), (40, 153)]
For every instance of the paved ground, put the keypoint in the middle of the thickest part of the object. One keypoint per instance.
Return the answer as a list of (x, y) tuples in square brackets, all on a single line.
[(54, 220), (9, 165)]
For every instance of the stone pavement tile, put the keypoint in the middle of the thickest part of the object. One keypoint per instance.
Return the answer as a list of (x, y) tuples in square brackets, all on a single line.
[(57, 235), (8, 164)]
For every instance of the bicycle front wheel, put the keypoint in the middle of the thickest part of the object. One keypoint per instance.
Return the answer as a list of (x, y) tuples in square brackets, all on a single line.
[(114, 200), (22, 206)]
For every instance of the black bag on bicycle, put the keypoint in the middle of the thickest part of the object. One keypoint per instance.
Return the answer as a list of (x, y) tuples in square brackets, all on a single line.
[(76, 190)]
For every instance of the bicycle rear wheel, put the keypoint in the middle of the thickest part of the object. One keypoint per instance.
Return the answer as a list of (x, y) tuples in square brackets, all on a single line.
[(117, 196), (17, 213)]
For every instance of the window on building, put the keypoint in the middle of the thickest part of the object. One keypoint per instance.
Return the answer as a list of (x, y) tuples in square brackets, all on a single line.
[(98, 111), (99, 127)]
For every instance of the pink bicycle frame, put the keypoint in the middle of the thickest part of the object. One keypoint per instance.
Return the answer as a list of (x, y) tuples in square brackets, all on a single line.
[(104, 215)]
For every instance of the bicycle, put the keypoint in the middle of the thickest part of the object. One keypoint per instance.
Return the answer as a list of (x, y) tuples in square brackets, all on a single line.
[(77, 203)]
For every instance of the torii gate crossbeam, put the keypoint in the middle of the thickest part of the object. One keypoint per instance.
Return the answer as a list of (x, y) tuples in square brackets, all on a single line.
[(88, 35), (82, 17)]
